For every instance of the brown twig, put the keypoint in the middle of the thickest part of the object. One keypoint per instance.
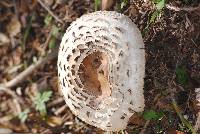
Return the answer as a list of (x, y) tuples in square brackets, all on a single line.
[(16, 102), (11, 93), (15, 8), (187, 9), (145, 127), (55, 102), (46, 43), (49, 11), (19, 78), (60, 110), (197, 124)]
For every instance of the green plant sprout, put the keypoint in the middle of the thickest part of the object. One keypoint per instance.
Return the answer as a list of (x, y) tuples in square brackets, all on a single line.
[(96, 4), (23, 115), (40, 100), (159, 4), (181, 75)]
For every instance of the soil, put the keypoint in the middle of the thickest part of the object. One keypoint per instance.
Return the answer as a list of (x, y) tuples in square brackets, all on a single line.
[(172, 45)]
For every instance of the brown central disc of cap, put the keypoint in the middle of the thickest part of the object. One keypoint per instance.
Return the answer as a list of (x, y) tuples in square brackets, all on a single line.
[(93, 73)]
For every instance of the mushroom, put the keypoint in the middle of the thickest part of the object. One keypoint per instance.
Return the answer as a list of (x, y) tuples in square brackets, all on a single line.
[(101, 66)]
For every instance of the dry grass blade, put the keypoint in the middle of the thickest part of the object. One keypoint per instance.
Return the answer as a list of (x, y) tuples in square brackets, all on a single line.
[(49, 11), (183, 120), (188, 9), (27, 31)]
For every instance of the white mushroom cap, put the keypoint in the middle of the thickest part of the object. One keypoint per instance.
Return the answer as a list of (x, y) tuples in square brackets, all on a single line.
[(101, 66)]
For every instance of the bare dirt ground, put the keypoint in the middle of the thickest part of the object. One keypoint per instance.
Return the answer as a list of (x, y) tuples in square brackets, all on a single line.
[(29, 32)]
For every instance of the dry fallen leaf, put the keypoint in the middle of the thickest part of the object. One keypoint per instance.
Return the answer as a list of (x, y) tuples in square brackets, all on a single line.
[(70, 14), (133, 11), (195, 57), (174, 131), (37, 46), (137, 119), (49, 2), (54, 121), (14, 27), (3, 39), (32, 91)]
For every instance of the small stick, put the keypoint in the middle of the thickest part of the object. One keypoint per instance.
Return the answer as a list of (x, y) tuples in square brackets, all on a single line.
[(187, 9), (55, 102), (15, 8), (60, 110), (19, 78), (197, 124), (49, 11), (145, 127), (16, 100), (46, 43), (12, 93)]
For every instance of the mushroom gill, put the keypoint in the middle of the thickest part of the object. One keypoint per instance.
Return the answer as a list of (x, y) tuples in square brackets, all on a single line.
[(101, 65)]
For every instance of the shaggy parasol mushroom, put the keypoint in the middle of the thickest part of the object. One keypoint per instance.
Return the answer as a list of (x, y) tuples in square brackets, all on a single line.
[(101, 65)]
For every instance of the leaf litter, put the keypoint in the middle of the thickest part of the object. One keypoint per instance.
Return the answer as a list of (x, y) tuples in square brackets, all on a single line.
[(172, 55)]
